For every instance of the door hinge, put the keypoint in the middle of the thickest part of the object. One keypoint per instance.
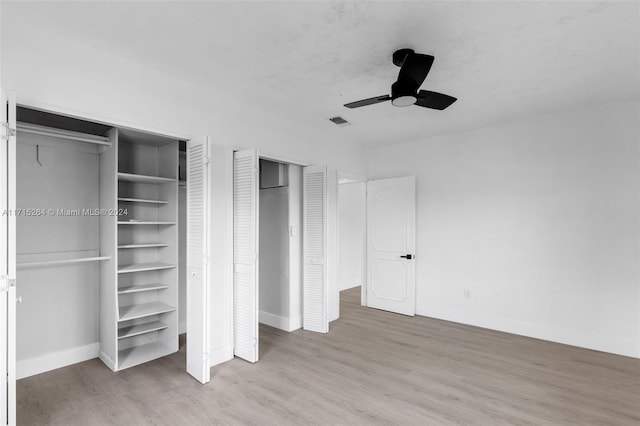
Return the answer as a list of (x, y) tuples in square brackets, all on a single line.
[(9, 131)]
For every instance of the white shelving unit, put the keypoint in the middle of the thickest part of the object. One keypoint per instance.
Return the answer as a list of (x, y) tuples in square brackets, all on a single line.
[(142, 299)]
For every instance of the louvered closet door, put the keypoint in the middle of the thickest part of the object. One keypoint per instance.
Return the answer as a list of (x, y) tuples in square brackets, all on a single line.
[(197, 261), (245, 254), (314, 223), (8, 261)]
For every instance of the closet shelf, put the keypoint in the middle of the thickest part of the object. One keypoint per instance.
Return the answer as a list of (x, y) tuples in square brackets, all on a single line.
[(141, 287), (140, 267), (138, 329), (63, 134), (140, 222), (131, 177), (130, 312), (149, 245), (140, 354), (62, 261), (141, 200)]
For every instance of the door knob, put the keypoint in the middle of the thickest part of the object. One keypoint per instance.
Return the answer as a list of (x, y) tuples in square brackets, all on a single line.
[(408, 257)]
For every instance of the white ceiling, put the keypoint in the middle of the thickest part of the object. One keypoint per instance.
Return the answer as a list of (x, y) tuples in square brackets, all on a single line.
[(303, 60)]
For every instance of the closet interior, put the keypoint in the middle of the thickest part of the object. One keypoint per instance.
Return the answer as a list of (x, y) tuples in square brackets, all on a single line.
[(280, 208), (97, 242)]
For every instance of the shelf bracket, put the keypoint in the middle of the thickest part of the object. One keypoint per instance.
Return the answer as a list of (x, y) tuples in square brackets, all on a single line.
[(9, 131)]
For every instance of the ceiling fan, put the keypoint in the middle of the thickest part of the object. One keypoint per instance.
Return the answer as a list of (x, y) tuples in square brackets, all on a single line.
[(414, 68)]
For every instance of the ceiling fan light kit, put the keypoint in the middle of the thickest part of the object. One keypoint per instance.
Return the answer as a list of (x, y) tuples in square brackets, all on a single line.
[(402, 96), (414, 68)]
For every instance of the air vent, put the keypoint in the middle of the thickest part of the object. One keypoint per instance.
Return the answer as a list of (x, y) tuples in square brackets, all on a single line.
[(339, 121)]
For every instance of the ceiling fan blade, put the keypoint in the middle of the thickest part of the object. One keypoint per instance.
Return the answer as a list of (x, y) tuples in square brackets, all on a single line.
[(414, 70), (370, 101), (434, 100)]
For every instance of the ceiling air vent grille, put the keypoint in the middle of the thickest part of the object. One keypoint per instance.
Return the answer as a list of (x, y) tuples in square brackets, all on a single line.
[(338, 120)]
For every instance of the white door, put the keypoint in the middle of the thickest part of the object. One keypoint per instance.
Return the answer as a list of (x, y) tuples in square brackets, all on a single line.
[(198, 260), (391, 244), (314, 252), (8, 261), (245, 255)]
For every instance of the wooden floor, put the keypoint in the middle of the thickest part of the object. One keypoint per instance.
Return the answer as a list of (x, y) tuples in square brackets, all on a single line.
[(373, 367)]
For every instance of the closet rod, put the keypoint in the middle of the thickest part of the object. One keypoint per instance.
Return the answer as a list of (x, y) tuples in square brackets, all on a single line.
[(69, 135), (62, 261)]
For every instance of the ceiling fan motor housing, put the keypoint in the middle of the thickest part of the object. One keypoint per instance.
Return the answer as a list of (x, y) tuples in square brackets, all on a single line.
[(403, 95)]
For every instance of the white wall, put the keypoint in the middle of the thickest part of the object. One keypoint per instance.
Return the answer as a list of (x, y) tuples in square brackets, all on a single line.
[(538, 219), (295, 247), (351, 234), (60, 303), (274, 257), (49, 71)]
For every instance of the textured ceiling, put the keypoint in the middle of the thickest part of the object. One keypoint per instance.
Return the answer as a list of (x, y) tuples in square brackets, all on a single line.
[(303, 60)]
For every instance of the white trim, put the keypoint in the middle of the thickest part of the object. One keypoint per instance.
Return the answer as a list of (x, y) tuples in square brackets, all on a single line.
[(182, 327), (281, 159), (280, 322), (51, 361), (220, 355), (350, 286), (348, 177), (275, 321), (108, 361), (565, 336), (84, 115), (295, 323)]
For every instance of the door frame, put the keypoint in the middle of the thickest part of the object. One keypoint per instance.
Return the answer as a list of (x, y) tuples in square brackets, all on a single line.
[(8, 262)]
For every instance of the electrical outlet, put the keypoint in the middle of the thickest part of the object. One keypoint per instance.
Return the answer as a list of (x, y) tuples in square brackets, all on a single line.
[(467, 294)]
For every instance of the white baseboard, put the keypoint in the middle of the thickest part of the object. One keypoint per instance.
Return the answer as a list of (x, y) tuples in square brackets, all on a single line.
[(581, 339), (275, 321), (279, 322), (182, 327), (344, 286), (295, 323), (41, 364), (220, 355), (107, 360)]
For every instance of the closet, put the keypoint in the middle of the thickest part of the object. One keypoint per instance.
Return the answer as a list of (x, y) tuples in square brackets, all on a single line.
[(96, 243), (275, 233), (280, 249)]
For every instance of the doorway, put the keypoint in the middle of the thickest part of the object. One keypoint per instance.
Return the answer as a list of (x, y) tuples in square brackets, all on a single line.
[(310, 225), (280, 198), (352, 234)]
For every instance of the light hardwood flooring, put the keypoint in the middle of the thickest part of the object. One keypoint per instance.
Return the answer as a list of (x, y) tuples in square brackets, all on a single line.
[(373, 367)]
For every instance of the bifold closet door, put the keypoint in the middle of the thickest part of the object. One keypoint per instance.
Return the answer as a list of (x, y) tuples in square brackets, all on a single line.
[(314, 243), (198, 260), (8, 261), (245, 255)]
